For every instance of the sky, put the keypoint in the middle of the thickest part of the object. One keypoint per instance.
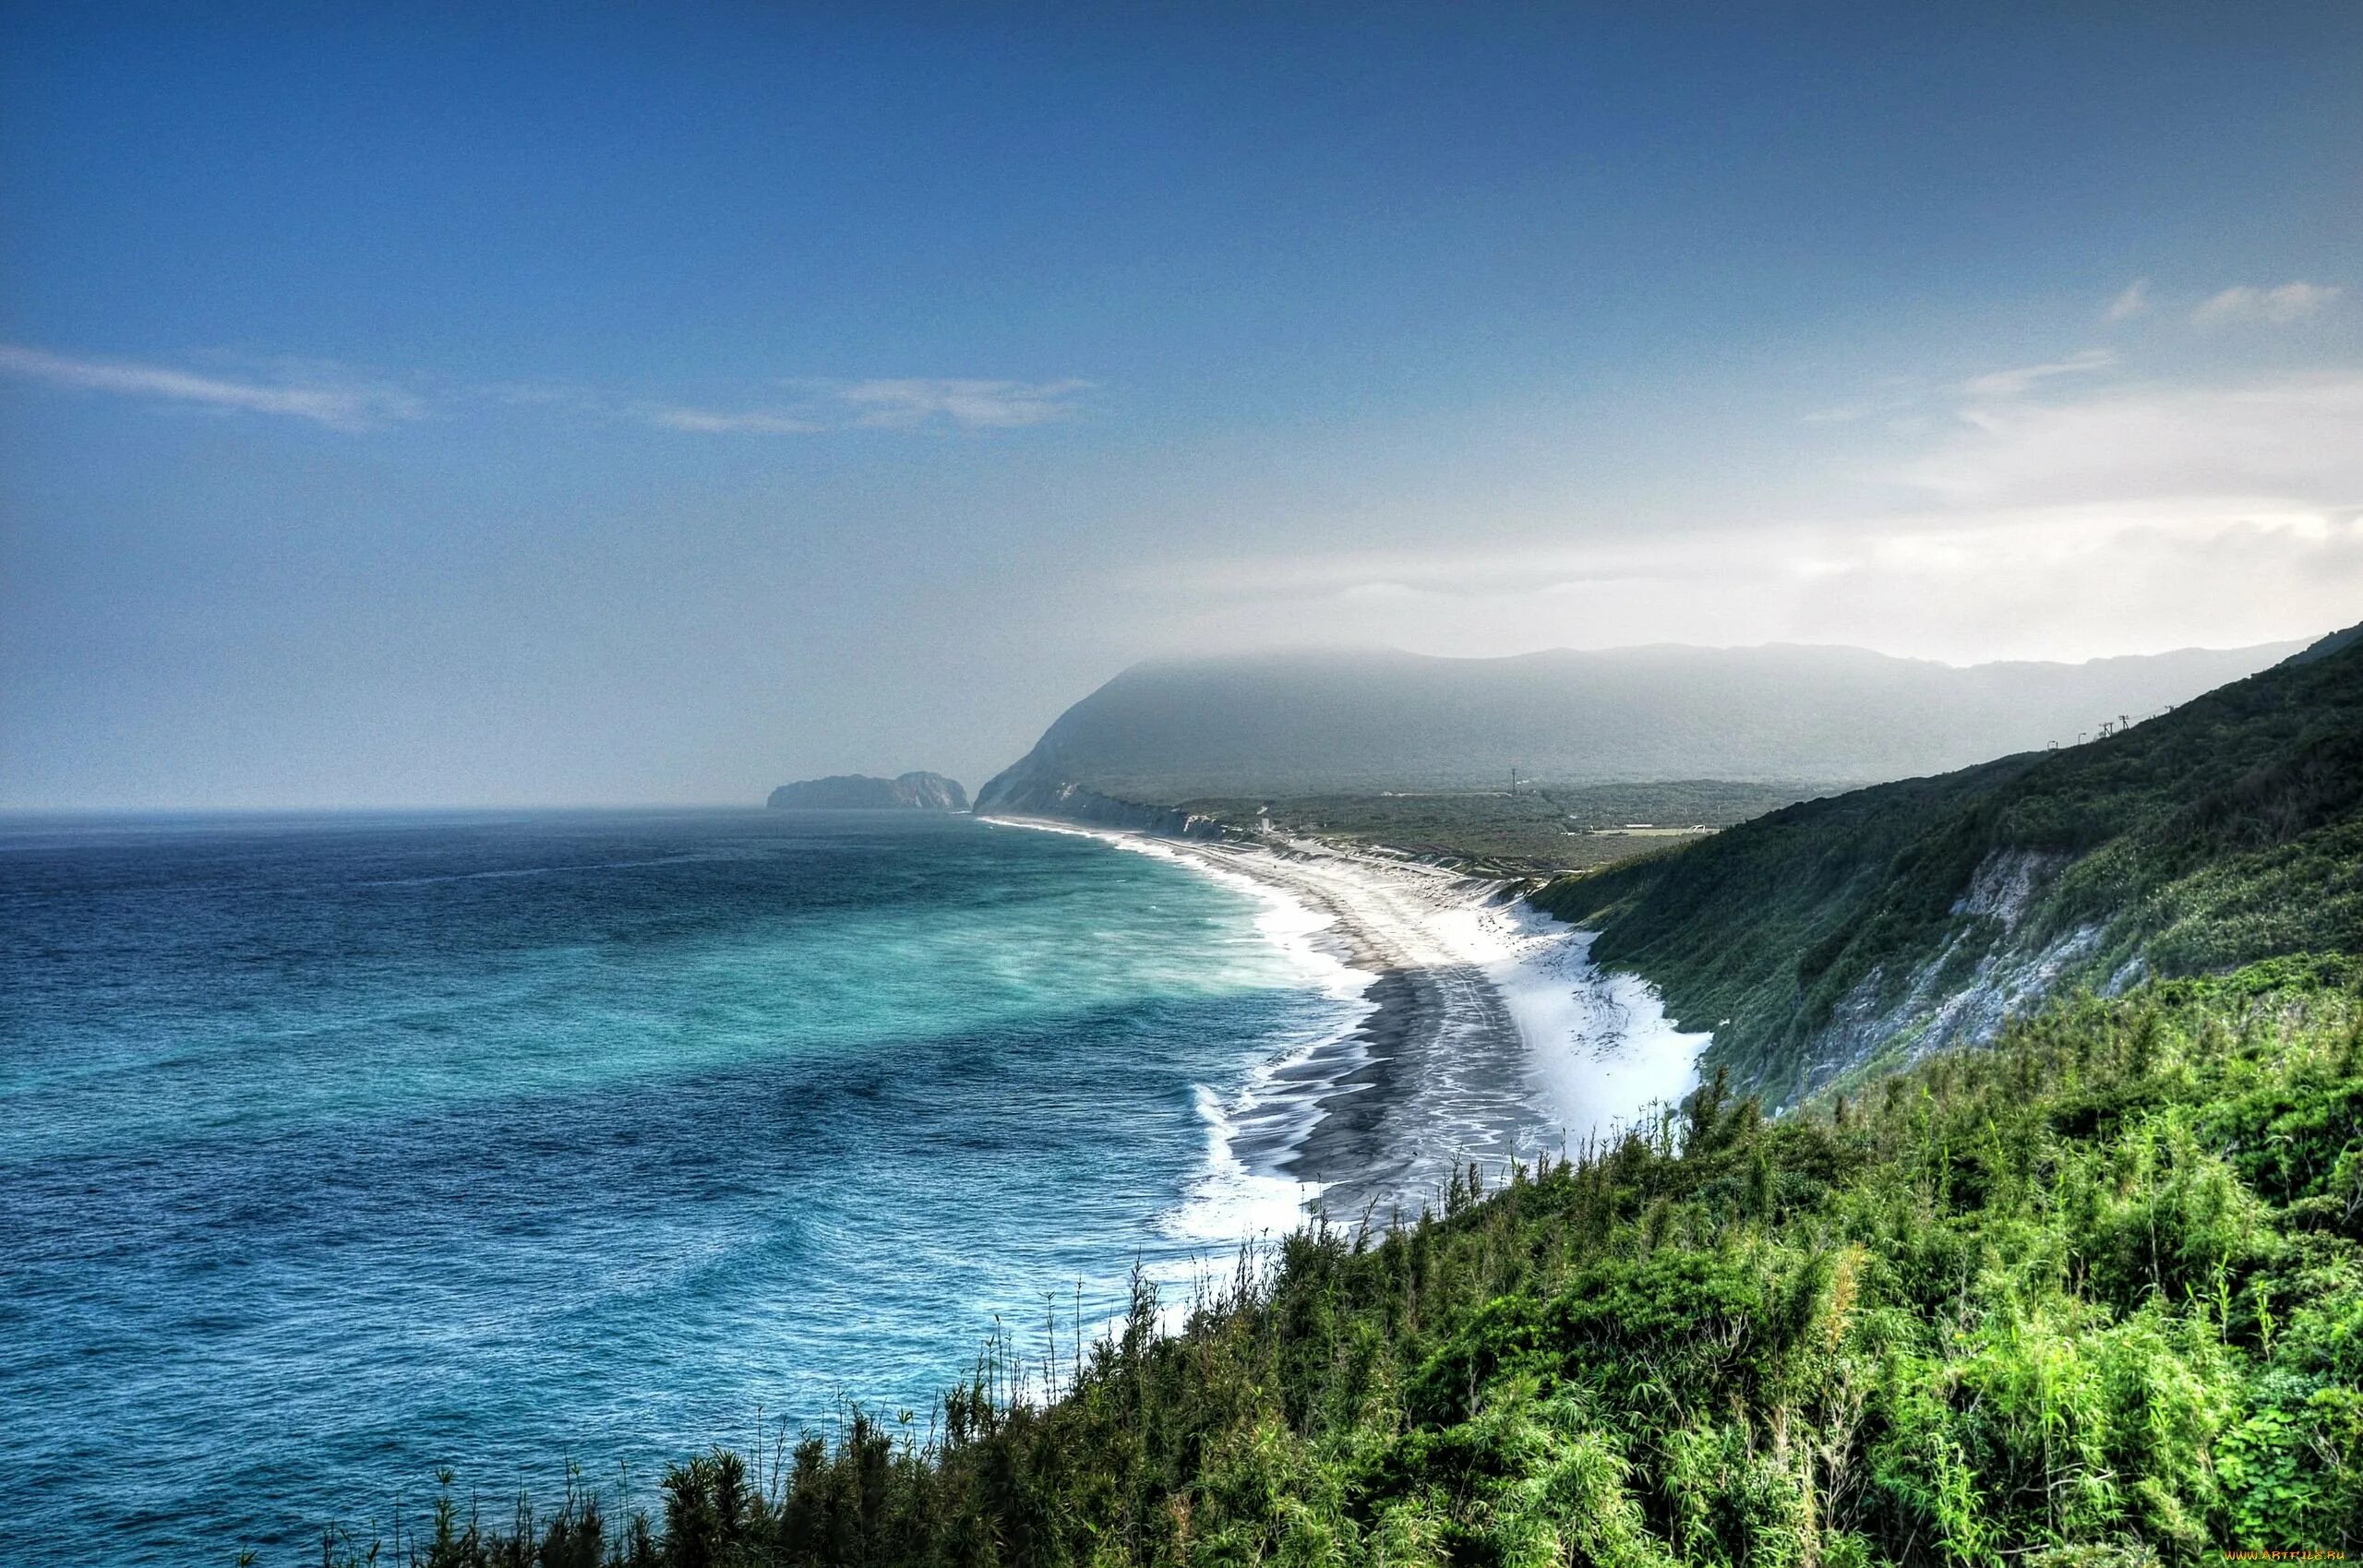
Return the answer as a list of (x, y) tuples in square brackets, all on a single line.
[(637, 404)]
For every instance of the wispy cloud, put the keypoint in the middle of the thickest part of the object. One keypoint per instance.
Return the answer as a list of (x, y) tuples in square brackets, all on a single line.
[(1854, 414), (340, 404), (2014, 383), (972, 405), (1907, 407), (2131, 302), (2243, 302), (326, 394), (703, 421), (888, 403)]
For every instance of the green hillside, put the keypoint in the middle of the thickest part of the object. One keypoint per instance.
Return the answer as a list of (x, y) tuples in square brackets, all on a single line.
[(2088, 1293), (1818, 935), (1346, 723), (2092, 1297)]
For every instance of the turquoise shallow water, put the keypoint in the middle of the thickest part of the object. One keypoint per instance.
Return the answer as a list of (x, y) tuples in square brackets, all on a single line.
[(337, 1149)]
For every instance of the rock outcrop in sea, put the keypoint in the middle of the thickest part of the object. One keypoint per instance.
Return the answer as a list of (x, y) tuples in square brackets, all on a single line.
[(858, 792)]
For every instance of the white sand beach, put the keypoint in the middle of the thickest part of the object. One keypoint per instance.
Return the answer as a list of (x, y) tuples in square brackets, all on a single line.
[(1485, 1033)]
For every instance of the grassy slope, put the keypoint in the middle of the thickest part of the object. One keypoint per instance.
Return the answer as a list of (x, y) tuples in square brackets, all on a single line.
[(2227, 831), (1543, 828), (2092, 1297)]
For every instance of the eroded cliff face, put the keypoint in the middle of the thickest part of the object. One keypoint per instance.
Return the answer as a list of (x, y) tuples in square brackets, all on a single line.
[(858, 792), (1992, 968), (1021, 793)]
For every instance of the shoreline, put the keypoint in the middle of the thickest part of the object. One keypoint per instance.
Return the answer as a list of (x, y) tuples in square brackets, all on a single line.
[(1488, 1032)]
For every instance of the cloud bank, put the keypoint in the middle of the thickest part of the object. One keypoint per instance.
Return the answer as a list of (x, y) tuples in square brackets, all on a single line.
[(2045, 516)]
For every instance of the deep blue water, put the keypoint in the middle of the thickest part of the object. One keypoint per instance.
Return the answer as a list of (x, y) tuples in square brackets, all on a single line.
[(337, 1149)]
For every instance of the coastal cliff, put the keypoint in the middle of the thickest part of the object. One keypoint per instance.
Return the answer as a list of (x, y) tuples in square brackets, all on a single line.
[(858, 792), (1832, 938), (1022, 792)]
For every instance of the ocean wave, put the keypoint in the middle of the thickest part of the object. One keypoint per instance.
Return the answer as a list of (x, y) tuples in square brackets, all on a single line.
[(1242, 1193)]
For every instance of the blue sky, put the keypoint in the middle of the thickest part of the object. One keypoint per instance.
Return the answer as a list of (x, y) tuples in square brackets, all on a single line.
[(652, 403)]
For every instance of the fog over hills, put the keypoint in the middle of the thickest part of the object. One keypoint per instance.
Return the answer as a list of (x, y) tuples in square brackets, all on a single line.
[(1172, 730)]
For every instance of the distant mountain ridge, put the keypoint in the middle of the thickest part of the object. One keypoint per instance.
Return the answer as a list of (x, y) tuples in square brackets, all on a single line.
[(1827, 936), (858, 792), (1171, 731)]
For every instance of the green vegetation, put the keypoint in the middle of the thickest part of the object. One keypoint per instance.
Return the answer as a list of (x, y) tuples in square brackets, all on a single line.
[(2228, 831), (1544, 828), (2094, 1295)]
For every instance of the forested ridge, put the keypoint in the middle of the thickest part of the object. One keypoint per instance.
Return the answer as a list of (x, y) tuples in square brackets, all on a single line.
[(1823, 937)]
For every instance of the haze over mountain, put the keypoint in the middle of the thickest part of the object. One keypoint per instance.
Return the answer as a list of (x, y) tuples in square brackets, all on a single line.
[(1169, 731)]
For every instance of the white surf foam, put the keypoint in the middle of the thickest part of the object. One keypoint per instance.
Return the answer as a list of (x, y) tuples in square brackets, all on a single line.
[(1606, 1057), (1602, 1054), (1228, 1203), (1231, 1201)]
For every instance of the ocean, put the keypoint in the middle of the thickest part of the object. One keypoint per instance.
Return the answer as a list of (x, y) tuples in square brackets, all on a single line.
[(339, 1151)]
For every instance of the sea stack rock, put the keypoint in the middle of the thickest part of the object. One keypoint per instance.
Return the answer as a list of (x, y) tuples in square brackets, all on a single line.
[(858, 792)]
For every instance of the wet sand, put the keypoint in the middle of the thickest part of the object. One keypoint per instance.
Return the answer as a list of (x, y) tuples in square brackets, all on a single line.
[(1437, 1073), (1489, 1033)]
